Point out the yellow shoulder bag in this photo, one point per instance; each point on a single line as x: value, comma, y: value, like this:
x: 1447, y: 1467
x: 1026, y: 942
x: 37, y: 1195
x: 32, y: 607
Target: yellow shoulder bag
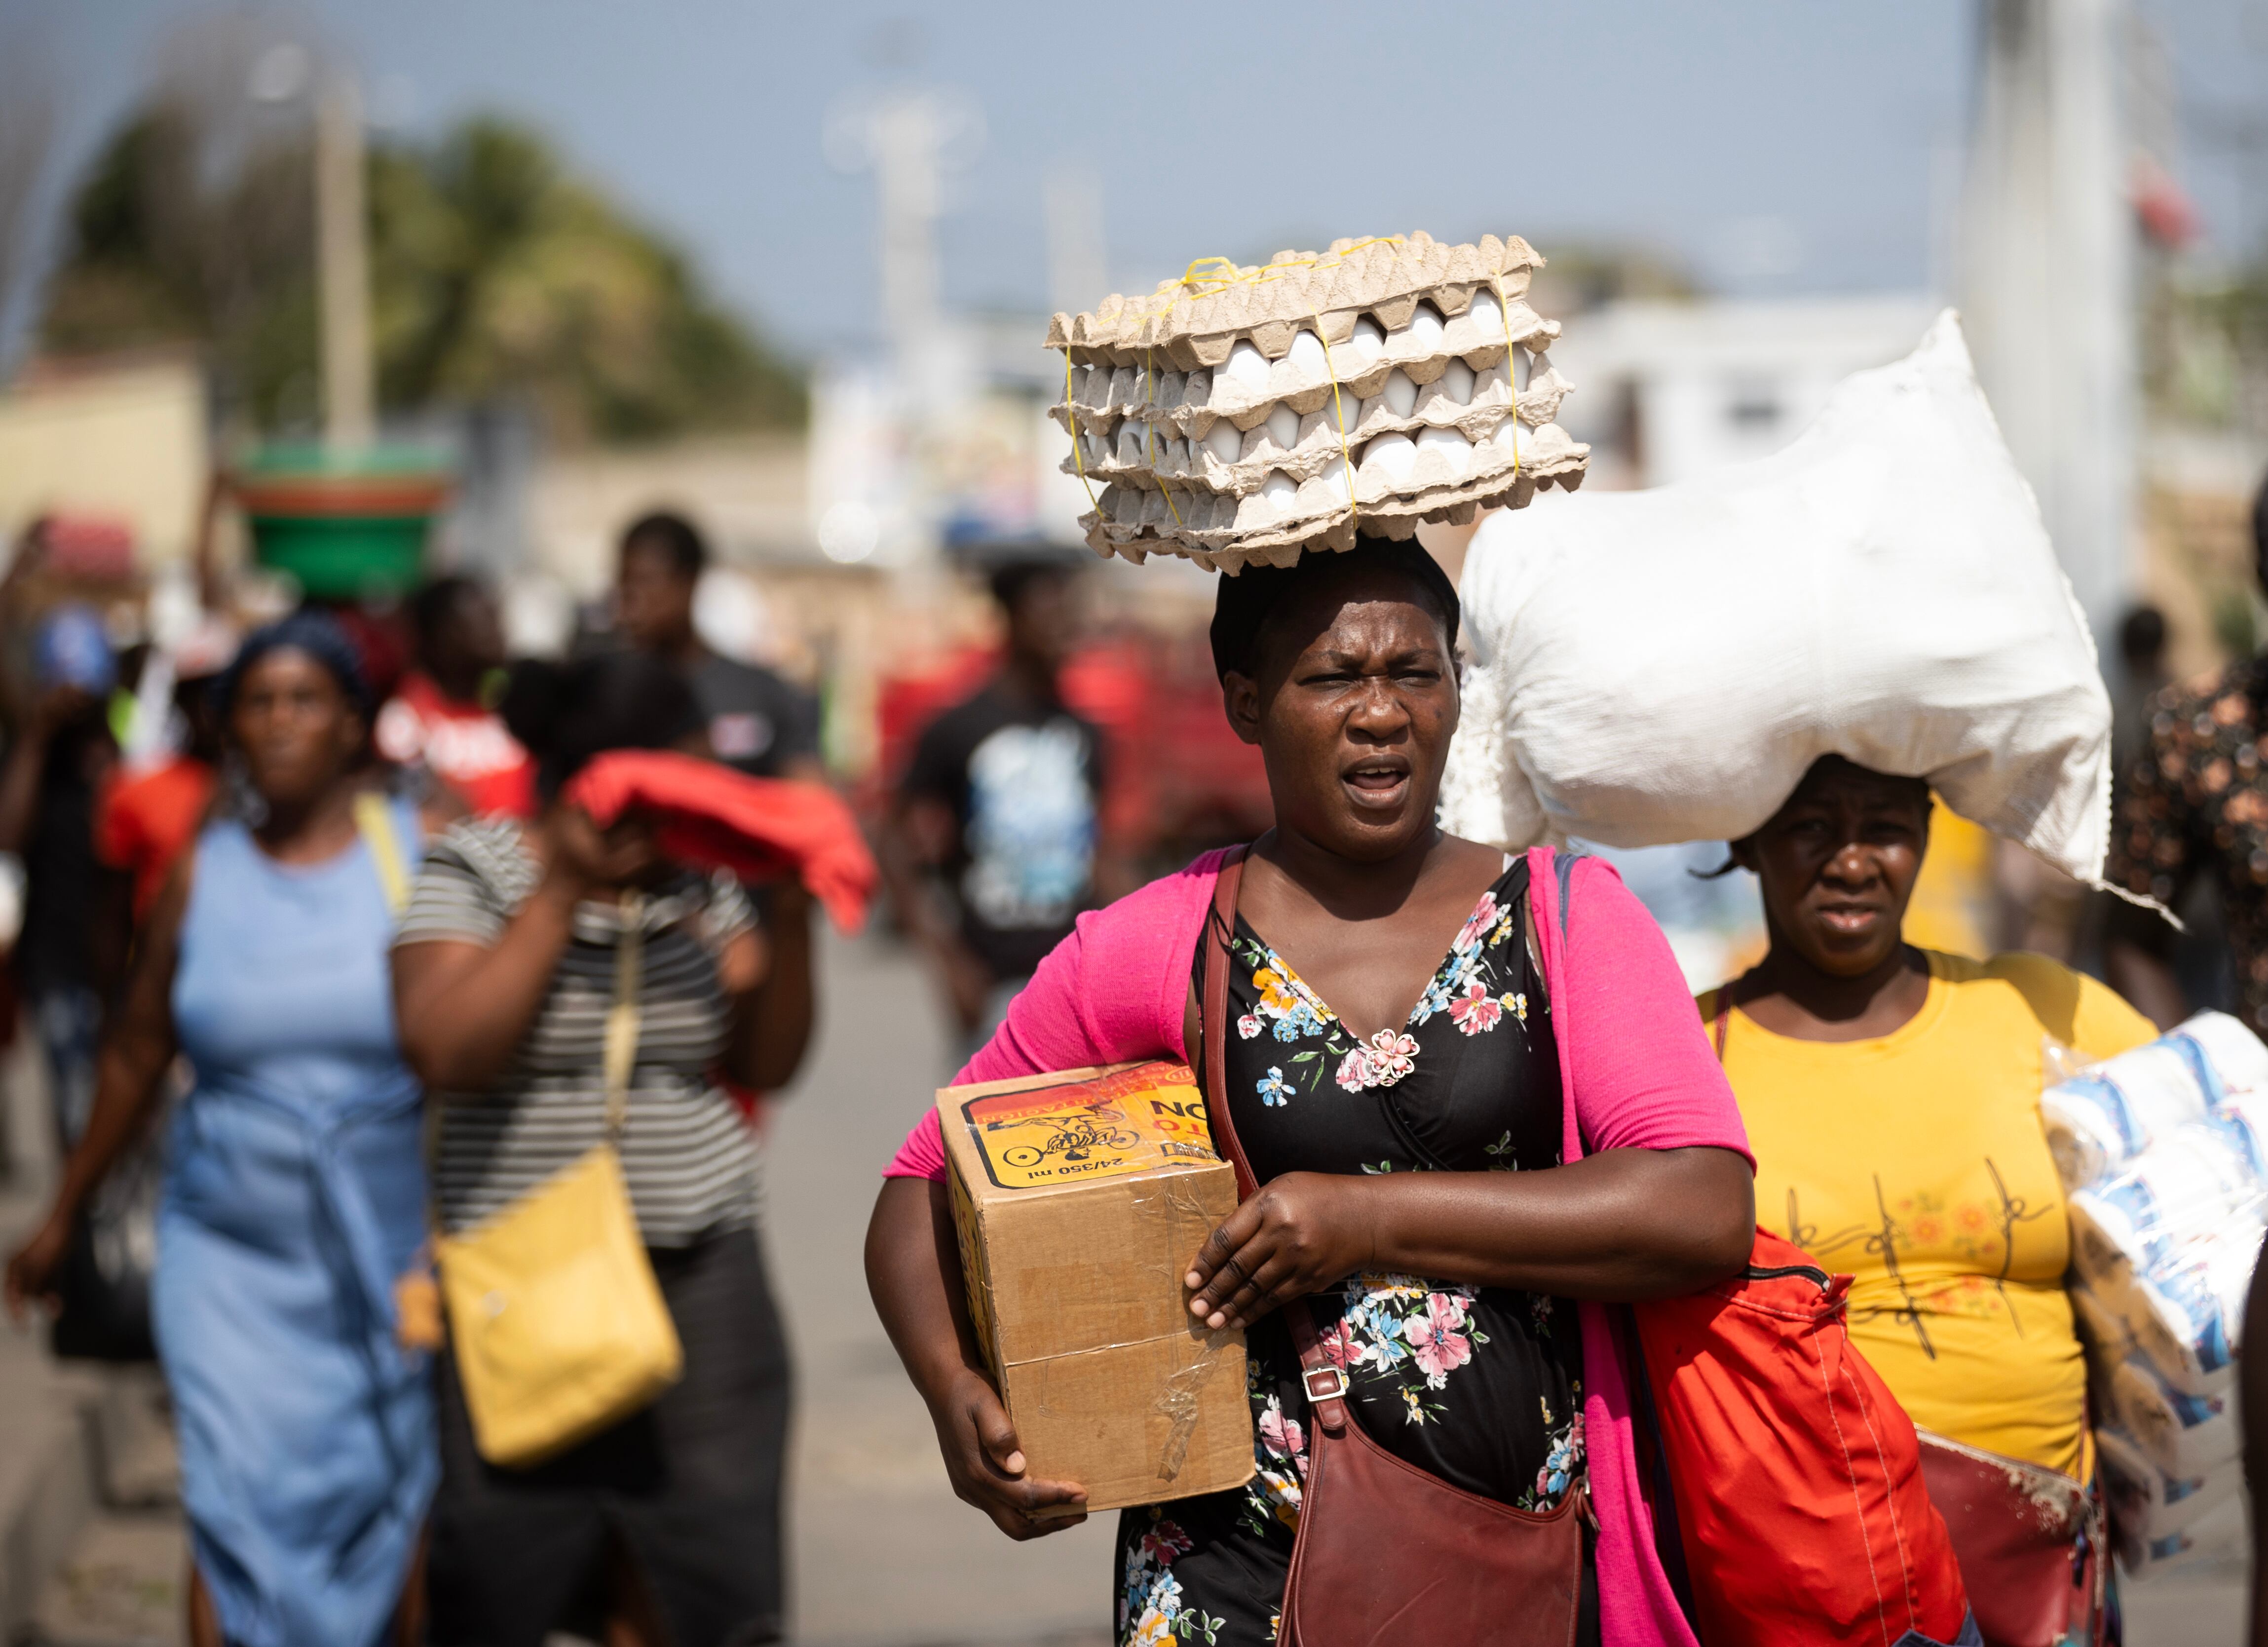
x: 559, y: 1326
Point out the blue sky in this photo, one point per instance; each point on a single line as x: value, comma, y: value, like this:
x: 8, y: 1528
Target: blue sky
x: 1764, y: 144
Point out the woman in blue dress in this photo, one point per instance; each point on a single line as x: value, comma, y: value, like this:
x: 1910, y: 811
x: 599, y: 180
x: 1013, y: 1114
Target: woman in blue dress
x: 295, y: 1193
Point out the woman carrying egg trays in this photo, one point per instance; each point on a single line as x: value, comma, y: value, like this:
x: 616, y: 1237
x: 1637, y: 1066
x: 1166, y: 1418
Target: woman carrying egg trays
x: 1240, y: 414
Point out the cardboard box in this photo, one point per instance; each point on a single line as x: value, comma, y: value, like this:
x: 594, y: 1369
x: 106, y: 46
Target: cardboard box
x: 1080, y: 1199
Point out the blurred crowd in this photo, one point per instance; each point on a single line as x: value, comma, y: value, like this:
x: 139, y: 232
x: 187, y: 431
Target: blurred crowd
x: 274, y: 879
x: 326, y: 924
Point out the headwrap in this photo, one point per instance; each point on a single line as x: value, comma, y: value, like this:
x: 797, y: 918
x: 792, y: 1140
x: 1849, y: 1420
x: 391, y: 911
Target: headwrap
x: 316, y: 633
x: 1243, y: 604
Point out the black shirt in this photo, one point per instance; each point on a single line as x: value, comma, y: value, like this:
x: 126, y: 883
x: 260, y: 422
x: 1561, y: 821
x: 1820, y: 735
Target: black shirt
x: 1023, y: 781
x: 61, y: 872
x: 757, y: 722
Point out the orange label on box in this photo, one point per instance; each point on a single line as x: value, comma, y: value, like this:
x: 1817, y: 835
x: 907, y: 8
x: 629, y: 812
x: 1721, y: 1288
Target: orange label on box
x: 1134, y: 1120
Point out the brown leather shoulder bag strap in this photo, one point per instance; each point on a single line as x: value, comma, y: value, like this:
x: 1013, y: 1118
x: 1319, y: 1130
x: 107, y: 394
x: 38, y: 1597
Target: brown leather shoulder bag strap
x: 1325, y: 1384
x: 1220, y: 924
x: 1727, y: 994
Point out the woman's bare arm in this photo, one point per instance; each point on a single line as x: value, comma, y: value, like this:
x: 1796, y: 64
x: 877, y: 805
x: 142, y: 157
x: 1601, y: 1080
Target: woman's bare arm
x: 1622, y: 1224
x: 772, y: 1017
x: 913, y: 1270
x: 462, y: 1008
x: 138, y: 1045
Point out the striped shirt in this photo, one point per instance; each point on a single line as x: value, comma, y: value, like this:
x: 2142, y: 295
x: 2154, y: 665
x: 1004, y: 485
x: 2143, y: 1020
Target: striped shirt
x: 688, y: 1156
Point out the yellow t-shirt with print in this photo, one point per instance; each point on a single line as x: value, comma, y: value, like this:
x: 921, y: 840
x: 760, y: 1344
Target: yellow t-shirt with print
x: 1917, y: 1163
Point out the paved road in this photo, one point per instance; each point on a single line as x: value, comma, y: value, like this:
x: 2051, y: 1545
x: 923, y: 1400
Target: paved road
x: 883, y: 1554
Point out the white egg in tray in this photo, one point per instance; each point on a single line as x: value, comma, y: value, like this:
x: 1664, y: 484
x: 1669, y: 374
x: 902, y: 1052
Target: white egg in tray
x: 1276, y: 524
x: 1391, y: 472
x: 1301, y: 448
x: 1473, y: 400
x: 1248, y: 383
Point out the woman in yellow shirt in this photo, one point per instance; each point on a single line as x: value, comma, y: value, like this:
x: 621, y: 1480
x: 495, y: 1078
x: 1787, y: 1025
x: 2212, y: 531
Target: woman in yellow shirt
x: 1892, y: 1099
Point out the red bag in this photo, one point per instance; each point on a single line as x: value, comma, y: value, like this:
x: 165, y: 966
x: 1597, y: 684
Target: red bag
x: 1794, y: 1473
x: 758, y: 828
x: 1790, y: 1473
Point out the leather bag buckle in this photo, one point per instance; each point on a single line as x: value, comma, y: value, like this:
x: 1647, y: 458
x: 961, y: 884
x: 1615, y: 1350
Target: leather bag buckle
x: 1324, y: 1383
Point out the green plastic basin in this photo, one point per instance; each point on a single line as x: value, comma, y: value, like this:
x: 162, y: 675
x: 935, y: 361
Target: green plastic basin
x: 343, y: 527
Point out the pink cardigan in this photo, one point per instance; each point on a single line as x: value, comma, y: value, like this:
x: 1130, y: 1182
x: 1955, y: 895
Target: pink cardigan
x: 1632, y: 1055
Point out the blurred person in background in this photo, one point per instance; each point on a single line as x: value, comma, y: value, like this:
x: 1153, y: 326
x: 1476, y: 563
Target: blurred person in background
x: 2194, y: 802
x: 665, y: 1527
x: 1892, y: 1100
x: 145, y: 818
x: 2142, y: 661
x: 295, y: 1184
x: 442, y: 717
x: 757, y: 723
x: 62, y: 755
x: 1002, y: 796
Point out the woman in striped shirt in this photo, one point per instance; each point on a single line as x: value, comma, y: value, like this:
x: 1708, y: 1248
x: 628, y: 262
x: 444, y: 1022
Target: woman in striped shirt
x: 666, y: 1525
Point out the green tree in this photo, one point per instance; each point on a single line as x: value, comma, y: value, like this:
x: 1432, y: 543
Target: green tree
x: 496, y: 276
x: 168, y: 245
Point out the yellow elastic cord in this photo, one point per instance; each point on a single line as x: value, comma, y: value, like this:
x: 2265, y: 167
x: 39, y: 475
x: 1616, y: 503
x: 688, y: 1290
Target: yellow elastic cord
x: 1207, y: 277
x: 1208, y: 283
x: 1078, y: 456
x: 1511, y: 367
x: 1339, y: 410
x: 1150, y: 432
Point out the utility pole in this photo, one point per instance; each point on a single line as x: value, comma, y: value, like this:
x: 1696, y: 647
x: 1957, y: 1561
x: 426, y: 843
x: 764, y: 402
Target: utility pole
x: 908, y: 139
x: 2047, y: 277
x: 342, y: 264
x: 872, y: 485
x: 1078, y: 260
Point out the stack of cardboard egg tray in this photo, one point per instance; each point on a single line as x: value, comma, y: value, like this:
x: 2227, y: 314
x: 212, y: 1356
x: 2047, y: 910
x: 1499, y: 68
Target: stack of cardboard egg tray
x: 1208, y: 424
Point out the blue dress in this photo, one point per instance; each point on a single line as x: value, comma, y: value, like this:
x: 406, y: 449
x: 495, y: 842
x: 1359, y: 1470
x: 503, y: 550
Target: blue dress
x: 294, y: 1196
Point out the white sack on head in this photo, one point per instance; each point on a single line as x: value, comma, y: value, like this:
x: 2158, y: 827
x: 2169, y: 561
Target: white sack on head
x: 1664, y: 666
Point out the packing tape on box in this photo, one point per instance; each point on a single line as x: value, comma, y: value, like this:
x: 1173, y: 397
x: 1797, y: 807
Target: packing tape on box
x: 1175, y: 1198
x: 1178, y: 1402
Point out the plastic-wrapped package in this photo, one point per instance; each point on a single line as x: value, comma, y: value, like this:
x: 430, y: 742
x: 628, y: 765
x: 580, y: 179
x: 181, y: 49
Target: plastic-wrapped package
x: 2185, y: 1436
x: 2099, y: 1121
x: 2102, y: 1324
x: 2197, y: 1181
x: 2164, y: 1152
x: 2187, y: 1315
x: 2232, y: 1055
x: 2104, y: 1117
x: 2149, y: 1505
x: 2218, y: 1534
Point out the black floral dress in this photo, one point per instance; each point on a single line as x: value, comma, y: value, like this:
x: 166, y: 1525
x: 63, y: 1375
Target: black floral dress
x: 1481, y: 1385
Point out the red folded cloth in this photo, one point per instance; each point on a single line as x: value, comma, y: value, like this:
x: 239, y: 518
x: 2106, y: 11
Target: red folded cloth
x: 758, y: 828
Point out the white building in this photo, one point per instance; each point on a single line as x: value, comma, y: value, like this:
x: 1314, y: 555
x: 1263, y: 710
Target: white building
x: 1665, y: 390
